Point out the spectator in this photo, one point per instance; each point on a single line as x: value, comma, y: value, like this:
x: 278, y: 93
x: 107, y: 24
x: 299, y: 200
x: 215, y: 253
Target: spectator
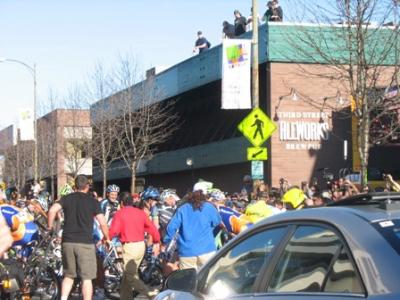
x: 249, y: 21
x: 201, y: 43
x: 247, y: 187
x: 393, y: 184
x: 274, y: 12
x: 130, y: 224
x: 228, y: 30
x: 240, y: 23
x: 318, y: 200
x: 78, y: 250
x: 268, y: 14
x: 277, y: 13
x: 194, y: 221
x: 260, y: 209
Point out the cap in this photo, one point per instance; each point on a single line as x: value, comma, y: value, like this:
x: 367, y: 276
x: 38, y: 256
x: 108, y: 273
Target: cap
x: 203, y: 186
x: 199, y: 32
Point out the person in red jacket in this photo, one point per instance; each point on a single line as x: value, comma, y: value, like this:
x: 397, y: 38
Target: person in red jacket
x: 130, y: 225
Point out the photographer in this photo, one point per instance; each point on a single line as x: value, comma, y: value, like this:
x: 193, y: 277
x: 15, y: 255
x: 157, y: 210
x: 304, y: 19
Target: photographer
x: 349, y: 188
x: 392, y: 185
x: 283, y: 186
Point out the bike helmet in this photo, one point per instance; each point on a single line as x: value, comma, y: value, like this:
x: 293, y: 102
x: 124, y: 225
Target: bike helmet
x: 150, y: 193
x: 217, y: 195
x: 66, y: 190
x: 295, y: 197
x: 113, y: 188
x: 42, y: 201
x: 168, y: 193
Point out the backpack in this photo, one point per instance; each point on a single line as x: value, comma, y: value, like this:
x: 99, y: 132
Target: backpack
x: 208, y: 45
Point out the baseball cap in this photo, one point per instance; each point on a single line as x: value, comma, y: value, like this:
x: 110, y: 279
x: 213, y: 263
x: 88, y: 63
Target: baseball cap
x: 203, y: 186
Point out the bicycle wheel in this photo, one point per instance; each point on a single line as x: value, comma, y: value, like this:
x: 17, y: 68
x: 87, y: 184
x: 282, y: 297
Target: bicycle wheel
x: 43, y: 283
x: 112, y: 280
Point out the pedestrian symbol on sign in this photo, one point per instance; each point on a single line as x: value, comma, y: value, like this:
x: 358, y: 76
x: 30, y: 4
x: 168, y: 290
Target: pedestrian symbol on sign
x: 257, y: 127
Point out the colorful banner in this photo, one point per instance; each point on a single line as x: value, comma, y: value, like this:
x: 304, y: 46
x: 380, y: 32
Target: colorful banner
x: 236, y: 62
x: 25, y: 125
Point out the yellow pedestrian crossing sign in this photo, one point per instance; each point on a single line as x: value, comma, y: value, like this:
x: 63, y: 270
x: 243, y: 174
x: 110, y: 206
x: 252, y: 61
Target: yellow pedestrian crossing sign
x: 257, y: 127
x: 257, y: 153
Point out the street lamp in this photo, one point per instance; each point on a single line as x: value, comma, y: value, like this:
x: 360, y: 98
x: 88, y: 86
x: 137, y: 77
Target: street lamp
x: 32, y: 71
x: 189, y: 163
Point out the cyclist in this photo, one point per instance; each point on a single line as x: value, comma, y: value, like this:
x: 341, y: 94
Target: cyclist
x: 6, y: 239
x: 65, y: 190
x: 233, y: 221
x: 166, y: 209
x: 149, y: 199
x: 110, y: 205
x: 21, y: 223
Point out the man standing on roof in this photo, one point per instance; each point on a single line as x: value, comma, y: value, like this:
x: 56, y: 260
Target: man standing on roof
x: 201, y: 43
x: 240, y: 23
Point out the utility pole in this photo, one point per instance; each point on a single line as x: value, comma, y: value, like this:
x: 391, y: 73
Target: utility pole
x: 35, y: 133
x: 254, y: 61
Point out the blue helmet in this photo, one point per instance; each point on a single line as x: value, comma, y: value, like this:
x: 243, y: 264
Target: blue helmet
x: 113, y: 188
x: 150, y: 193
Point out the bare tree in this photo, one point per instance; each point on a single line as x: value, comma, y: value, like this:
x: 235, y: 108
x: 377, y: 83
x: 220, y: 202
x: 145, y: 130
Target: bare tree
x: 105, y: 128
x: 19, y: 163
x: 356, y: 43
x: 143, y: 123
x: 47, y: 141
x: 77, y: 133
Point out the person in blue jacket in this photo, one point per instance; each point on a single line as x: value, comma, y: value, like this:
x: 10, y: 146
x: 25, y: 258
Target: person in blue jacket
x: 194, y: 221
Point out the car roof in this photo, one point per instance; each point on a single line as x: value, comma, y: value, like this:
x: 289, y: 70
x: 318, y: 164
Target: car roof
x: 371, y: 207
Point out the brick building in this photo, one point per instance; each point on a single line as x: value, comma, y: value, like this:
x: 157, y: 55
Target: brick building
x: 309, y: 138
x: 63, y: 136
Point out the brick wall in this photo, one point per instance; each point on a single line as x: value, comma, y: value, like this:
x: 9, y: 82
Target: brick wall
x: 300, y: 160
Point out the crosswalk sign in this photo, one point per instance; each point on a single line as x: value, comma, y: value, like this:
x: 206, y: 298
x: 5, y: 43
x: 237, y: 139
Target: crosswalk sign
x: 257, y: 153
x: 257, y: 127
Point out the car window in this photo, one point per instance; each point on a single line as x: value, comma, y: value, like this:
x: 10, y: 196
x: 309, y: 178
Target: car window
x: 236, y: 271
x: 342, y: 278
x: 314, y: 260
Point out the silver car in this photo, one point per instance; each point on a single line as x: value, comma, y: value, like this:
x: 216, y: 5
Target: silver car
x: 350, y: 250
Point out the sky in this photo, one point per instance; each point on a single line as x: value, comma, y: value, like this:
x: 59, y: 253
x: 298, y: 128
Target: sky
x: 66, y: 38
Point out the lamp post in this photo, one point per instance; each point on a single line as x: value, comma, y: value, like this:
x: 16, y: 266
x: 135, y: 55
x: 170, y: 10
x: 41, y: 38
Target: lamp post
x: 189, y: 163
x: 31, y: 70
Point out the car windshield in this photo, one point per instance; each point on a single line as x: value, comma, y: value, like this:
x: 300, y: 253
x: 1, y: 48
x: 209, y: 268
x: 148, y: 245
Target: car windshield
x: 390, y: 230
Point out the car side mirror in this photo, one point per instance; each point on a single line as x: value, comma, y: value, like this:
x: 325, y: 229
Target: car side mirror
x: 182, y: 280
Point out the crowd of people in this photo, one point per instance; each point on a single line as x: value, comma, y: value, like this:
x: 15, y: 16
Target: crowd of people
x: 241, y: 24
x: 190, y: 228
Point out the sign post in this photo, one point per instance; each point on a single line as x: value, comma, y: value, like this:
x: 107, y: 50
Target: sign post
x: 257, y: 128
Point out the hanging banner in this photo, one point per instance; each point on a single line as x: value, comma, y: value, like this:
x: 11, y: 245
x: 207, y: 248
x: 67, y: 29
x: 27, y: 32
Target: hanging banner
x: 236, y: 62
x: 25, y: 124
